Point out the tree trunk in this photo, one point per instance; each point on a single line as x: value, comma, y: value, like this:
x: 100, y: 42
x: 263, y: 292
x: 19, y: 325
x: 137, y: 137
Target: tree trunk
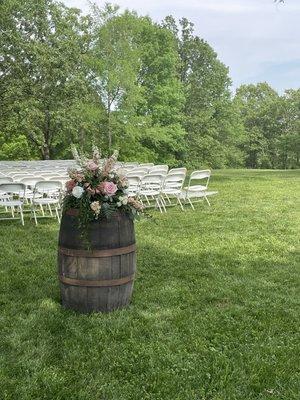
x: 46, y: 152
x: 109, y: 132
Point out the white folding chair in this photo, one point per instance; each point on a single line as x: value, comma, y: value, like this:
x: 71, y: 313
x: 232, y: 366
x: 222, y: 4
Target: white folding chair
x: 4, y: 195
x: 51, y: 194
x: 19, y: 177
x: 176, y: 170
x: 159, y: 169
x: 150, y: 189
x: 139, y: 174
x: 5, y: 179
x: 130, y: 165
x: 12, y: 194
x: 172, y: 187
x: 30, y: 184
x: 147, y: 165
x: 133, y: 185
x: 194, y: 189
x: 141, y: 169
x: 61, y: 179
x: 31, y: 181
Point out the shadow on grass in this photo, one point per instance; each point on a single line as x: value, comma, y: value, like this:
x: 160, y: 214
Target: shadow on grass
x: 165, y: 277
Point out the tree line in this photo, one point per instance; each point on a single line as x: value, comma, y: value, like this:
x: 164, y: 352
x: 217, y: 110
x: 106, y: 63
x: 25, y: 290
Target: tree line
x: 155, y: 91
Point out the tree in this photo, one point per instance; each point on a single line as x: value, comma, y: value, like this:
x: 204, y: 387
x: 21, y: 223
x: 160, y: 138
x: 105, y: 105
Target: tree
x: 258, y: 108
x: 114, y: 64
x: 42, y: 75
x: 162, y: 101
x: 134, y: 72
x: 157, y: 92
x: 209, y: 119
x: 289, y: 139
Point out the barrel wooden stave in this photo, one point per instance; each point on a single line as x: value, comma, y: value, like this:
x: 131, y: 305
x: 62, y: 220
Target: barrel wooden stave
x: 118, y: 234
x: 100, y: 239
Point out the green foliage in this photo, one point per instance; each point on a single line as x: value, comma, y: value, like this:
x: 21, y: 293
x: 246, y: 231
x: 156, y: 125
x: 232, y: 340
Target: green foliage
x: 114, y: 64
x: 42, y: 73
x: 272, y: 126
x: 18, y: 149
x: 214, y: 315
x: 157, y: 92
x: 212, y: 125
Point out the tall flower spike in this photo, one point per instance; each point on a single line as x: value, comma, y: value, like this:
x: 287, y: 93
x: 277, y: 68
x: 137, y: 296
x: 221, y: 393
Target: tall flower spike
x: 110, y: 163
x: 96, y: 155
x: 75, y: 153
x: 80, y: 159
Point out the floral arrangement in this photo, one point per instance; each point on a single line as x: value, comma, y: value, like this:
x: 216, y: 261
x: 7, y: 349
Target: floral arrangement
x: 98, y: 189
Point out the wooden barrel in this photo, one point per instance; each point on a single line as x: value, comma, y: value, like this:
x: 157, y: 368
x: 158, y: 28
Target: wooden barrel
x: 99, y: 279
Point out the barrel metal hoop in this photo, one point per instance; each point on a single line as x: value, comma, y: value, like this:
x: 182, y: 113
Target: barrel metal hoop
x: 90, y: 283
x: 97, y: 253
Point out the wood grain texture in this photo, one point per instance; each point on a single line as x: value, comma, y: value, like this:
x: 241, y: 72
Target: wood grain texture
x: 77, y: 266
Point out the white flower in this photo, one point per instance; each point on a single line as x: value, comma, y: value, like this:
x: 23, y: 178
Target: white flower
x: 119, y: 204
x: 77, y: 192
x: 96, y: 207
x: 125, y: 200
x: 121, y: 172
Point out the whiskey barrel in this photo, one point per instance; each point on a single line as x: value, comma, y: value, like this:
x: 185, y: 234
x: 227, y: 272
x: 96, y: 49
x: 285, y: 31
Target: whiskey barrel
x: 99, y: 279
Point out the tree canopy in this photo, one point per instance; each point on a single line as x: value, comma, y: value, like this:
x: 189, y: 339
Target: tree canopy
x: 155, y: 91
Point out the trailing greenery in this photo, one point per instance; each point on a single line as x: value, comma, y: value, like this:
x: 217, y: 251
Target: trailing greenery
x: 215, y: 310
x: 155, y: 91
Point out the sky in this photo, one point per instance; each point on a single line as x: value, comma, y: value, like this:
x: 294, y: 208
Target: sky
x: 257, y: 39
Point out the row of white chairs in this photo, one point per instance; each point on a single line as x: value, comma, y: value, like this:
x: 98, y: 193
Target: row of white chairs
x: 163, y: 188
x: 30, y: 180
x: 163, y: 170
x: 45, y: 196
x: 153, y: 188
x: 53, y: 167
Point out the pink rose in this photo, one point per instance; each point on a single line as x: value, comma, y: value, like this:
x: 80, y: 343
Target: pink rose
x: 70, y: 185
x: 92, y: 166
x: 108, y: 188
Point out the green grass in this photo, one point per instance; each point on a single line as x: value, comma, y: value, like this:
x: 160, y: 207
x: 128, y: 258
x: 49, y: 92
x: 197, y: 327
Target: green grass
x: 215, y: 313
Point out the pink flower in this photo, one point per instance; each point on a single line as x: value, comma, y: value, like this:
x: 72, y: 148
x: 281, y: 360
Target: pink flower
x: 89, y: 188
x: 108, y: 188
x: 135, y: 203
x: 92, y: 166
x: 70, y: 185
x: 79, y: 177
x: 123, y: 182
x: 91, y: 191
x: 99, y: 189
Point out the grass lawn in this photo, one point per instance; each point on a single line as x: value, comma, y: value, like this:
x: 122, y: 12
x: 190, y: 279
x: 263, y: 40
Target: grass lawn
x: 215, y: 313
